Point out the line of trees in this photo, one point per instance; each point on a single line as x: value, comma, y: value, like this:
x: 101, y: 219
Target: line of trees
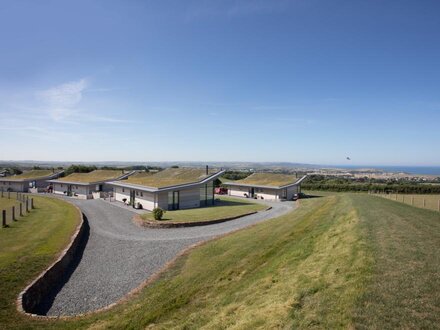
x: 375, y: 185
x: 236, y: 175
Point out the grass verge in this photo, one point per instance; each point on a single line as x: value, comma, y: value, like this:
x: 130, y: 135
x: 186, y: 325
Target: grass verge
x: 27, y: 247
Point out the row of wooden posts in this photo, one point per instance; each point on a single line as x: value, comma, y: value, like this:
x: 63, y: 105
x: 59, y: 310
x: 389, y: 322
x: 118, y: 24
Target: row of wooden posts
x: 24, y: 200
x: 395, y: 197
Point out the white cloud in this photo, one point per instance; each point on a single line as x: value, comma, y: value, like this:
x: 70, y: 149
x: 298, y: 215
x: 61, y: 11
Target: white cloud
x: 61, y: 101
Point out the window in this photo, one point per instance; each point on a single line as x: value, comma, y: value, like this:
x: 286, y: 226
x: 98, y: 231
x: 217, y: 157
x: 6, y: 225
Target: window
x: 207, y: 194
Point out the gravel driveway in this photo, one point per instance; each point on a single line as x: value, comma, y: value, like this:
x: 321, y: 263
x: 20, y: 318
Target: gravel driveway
x: 119, y: 255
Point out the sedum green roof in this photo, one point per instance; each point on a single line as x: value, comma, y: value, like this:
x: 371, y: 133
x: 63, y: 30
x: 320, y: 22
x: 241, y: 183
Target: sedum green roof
x: 94, y: 176
x: 31, y: 175
x: 168, y: 177
x: 267, y: 179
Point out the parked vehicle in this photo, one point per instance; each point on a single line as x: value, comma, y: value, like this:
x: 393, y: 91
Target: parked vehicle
x: 221, y: 191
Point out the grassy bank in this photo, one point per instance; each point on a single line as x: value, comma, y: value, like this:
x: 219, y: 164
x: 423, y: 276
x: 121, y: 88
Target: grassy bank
x: 224, y: 207
x: 342, y: 261
x: 27, y: 247
x: 403, y: 290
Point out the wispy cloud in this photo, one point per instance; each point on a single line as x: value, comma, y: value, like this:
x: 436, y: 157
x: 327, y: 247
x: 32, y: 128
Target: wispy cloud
x: 61, y: 101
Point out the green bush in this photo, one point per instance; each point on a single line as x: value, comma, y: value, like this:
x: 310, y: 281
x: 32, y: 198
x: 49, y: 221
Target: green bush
x: 158, y: 213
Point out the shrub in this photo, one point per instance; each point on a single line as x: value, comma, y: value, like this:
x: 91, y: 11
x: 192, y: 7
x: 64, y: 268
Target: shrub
x: 158, y: 213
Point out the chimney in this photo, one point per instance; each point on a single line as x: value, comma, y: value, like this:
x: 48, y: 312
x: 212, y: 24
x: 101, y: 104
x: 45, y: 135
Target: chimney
x: 207, y: 170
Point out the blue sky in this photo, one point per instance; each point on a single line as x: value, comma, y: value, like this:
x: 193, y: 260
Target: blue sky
x: 309, y: 81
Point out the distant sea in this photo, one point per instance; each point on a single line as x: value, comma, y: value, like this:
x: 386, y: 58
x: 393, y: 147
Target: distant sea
x: 422, y: 170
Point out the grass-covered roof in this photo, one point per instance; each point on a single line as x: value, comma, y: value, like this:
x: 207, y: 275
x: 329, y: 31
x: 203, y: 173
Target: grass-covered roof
x: 169, y: 177
x: 94, y: 176
x: 31, y: 175
x: 268, y: 179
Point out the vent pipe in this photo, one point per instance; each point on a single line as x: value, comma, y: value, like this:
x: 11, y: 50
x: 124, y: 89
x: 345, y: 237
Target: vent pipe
x: 207, y: 170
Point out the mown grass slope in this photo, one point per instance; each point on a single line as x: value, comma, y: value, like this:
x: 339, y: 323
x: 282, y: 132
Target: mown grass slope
x: 27, y: 247
x: 343, y: 261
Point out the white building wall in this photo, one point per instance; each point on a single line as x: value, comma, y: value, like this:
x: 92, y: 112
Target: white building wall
x: 238, y: 191
x: 81, y: 192
x: 146, y: 199
x: 292, y: 191
x: 121, y: 193
x: 14, y: 186
x: 189, y: 198
x: 162, y: 200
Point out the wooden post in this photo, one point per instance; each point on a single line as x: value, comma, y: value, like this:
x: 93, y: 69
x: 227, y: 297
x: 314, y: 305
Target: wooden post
x: 13, y: 214
x: 21, y: 209
x: 424, y: 203
x: 4, y: 218
x: 32, y: 203
x: 27, y: 205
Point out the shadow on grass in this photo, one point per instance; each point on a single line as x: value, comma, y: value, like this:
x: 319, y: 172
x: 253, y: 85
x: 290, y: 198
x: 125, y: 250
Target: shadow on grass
x: 46, y: 302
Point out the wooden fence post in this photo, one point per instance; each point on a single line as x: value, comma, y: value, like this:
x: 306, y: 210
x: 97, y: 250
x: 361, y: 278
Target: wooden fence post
x: 13, y: 214
x: 27, y: 205
x: 4, y: 218
x: 21, y: 209
x: 32, y: 203
x: 424, y: 203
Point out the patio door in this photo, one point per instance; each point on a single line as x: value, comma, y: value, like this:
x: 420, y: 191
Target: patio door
x: 173, y: 200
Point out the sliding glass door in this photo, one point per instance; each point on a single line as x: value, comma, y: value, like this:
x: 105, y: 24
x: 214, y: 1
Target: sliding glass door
x: 173, y: 200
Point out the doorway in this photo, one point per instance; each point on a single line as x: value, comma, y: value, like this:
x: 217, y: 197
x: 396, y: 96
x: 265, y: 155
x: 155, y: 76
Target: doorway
x: 132, y: 197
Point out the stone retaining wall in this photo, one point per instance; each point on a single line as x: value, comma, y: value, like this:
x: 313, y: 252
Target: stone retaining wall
x: 34, y: 298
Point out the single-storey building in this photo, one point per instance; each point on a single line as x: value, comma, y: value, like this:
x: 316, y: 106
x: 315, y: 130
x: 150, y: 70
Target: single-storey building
x: 88, y: 185
x: 28, y: 181
x: 170, y: 189
x: 269, y: 186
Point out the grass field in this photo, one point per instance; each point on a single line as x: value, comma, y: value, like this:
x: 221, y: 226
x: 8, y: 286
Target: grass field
x: 224, y: 207
x: 27, y: 247
x: 342, y: 261
x: 7, y: 204
x: 430, y: 202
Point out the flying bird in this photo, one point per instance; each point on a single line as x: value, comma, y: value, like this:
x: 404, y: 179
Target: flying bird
x: 348, y: 158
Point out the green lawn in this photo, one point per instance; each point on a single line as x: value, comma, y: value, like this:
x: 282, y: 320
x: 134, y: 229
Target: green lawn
x: 7, y: 204
x: 224, y: 207
x: 27, y: 247
x: 342, y: 261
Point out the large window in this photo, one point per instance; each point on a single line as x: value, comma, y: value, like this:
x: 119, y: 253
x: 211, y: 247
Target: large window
x: 173, y: 200
x: 207, y: 194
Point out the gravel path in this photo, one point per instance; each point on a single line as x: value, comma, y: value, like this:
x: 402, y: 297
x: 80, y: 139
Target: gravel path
x: 119, y: 255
